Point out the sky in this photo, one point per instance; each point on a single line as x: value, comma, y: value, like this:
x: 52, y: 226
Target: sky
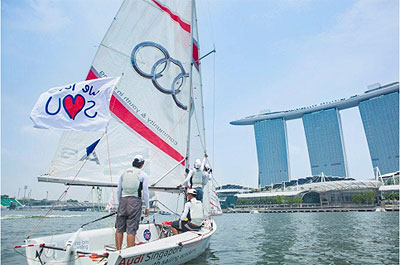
x: 274, y: 55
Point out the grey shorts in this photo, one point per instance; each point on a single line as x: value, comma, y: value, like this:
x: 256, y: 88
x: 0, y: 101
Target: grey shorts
x: 128, y: 216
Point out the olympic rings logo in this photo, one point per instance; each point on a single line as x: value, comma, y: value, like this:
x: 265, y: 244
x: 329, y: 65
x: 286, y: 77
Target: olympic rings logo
x: 158, y: 68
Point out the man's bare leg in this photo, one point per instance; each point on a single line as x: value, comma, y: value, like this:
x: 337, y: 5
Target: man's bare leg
x: 130, y: 238
x: 174, y: 231
x: 119, y: 237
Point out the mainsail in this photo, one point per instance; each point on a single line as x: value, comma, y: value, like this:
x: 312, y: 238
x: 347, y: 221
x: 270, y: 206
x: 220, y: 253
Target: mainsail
x: 153, y: 53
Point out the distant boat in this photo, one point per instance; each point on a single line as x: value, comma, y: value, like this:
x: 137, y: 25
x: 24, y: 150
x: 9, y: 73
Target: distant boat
x: 254, y: 211
x: 380, y: 209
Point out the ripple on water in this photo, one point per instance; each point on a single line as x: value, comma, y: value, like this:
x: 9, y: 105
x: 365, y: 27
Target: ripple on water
x: 277, y: 238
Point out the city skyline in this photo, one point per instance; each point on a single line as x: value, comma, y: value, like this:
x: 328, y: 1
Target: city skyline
x: 378, y: 107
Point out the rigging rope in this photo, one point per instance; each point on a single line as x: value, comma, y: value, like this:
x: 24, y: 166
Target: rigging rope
x: 62, y: 196
x: 167, y: 207
x: 109, y: 164
x: 198, y: 129
x: 213, y: 122
x: 59, y: 199
x: 35, y: 260
x: 177, y: 202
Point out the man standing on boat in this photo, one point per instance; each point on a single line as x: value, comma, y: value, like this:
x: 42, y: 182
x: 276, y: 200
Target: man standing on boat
x: 197, y: 179
x: 131, y: 184
x: 192, y: 215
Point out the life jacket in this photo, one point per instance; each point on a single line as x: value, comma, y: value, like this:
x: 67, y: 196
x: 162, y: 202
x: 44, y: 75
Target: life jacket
x: 131, y: 185
x: 197, y: 179
x: 196, y: 212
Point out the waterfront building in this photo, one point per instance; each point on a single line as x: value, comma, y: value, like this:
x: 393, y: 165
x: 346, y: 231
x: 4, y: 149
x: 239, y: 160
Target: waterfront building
x: 272, y: 151
x: 379, y: 109
x: 324, y: 137
x: 390, y: 184
x: 323, y: 193
x: 227, y: 194
x: 380, y: 117
x: 321, y: 190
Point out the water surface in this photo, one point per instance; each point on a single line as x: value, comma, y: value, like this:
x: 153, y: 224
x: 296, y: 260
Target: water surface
x: 270, y: 238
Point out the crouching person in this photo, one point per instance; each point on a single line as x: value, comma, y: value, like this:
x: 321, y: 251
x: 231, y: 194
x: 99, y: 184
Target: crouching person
x: 192, y: 216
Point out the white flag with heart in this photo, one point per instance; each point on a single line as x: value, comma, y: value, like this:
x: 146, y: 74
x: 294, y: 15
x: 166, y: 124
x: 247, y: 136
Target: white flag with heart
x: 82, y: 106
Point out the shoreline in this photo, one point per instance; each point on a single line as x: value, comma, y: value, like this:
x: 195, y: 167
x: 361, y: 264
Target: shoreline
x: 315, y: 209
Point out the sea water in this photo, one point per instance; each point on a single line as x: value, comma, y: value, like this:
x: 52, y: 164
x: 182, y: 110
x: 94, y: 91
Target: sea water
x: 270, y: 238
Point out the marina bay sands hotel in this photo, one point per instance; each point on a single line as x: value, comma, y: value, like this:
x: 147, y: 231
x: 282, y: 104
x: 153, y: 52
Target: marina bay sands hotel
x: 379, y: 110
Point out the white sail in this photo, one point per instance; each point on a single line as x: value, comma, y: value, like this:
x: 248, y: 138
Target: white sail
x: 150, y: 106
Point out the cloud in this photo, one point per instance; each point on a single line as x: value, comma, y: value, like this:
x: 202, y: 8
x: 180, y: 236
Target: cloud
x: 356, y: 51
x: 38, y: 16
x: 368, y: 22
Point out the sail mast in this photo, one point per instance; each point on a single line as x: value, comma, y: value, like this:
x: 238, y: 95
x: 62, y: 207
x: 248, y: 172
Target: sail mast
x: 190, y: 93
x: 201, y: 89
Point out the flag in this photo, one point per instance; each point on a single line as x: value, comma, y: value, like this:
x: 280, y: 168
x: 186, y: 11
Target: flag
x: 82, y: 106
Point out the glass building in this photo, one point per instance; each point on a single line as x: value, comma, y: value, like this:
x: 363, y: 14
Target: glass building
x: 325, y: 142
x: 379, y: 109
x: 380, y: 117
x: 272, y: 151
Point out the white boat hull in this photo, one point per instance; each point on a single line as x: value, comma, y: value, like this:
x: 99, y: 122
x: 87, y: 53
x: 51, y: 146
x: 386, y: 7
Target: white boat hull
x: 170, y: 250
x: 174, y: 255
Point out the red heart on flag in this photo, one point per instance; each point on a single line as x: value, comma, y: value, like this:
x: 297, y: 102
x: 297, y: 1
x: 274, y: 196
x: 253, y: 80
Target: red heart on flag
x: 73, y: 105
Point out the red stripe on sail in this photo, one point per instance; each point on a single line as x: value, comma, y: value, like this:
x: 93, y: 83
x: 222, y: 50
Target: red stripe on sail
x: 213, y: 204
x: 134, y: 123
x: 92, y: 74
x: 196, y: 54
x: 185, y: 26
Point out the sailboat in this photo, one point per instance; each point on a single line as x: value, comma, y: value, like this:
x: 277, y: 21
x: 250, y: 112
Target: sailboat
x: 157, y: 112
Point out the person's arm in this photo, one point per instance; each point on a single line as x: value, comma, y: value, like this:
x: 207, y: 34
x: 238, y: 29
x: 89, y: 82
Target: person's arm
x: 185, y: 211
x: 203, y: 163
x: 119, y: 190
x: 187, y: 180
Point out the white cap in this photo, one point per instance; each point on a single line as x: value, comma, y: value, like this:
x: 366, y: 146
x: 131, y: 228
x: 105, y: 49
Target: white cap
x: 197, y: 163
x: 207, y: 166
x: 139, y: 158
x: 192, y: 191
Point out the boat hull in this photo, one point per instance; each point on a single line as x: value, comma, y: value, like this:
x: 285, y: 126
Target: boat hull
x: 174, y: 255
x: 151, y: 249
